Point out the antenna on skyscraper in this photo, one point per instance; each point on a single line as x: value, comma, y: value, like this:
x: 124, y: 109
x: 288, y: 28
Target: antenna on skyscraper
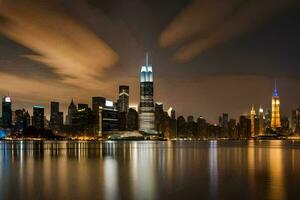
x: 147, y: 59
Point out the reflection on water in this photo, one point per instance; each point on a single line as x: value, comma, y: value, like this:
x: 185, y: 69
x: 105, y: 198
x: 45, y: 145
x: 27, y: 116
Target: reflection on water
x: 150, y: 170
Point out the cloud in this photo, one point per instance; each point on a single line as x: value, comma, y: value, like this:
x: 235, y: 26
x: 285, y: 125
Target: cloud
x: 218, y: 23
x: 59, y: 41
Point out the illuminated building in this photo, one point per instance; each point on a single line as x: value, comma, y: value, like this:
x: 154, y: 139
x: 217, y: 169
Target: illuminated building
x: 38, y: 118
x: 108, y: 117
x: 261, y: 121
x: 146, y: 106
x: 123, y: 101
x: 6, y: 112
x: 275, y: 121
x: 252, y: 118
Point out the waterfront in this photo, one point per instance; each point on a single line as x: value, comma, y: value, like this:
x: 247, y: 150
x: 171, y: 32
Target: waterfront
x: 149, y: 170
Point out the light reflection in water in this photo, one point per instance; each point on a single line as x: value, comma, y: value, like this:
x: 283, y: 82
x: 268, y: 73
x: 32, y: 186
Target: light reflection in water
x: 149, y: 170
x: 213, y: 167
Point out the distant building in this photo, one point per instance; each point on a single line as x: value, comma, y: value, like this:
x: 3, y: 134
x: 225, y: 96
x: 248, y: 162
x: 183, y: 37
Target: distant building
x: 72, y: 109
x: 6, y: 112
x: 132, y: 120
x: 38, y: 118
x: 56, y: 117
x: 108, y: 117
x: 146, y: 106
x: 159, y: 117
x: 295, y: 120
x: 275, y: 122
x: 97, y: 103
x: 123, y: 101
x: 22, y: 121
x: 252, y: 118
x: 181, y: 127
x: 261, y: 121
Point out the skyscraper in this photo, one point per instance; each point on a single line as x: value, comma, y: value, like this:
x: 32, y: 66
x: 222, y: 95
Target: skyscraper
x: 146, y: 107
x: 252, y: 118
x: 38, y: 118
x: 56, y: 117
x: 6, y: 112
x: 72, y: 109
x: 261, y: 121
x: 123, y: 101
x: 275, y: 121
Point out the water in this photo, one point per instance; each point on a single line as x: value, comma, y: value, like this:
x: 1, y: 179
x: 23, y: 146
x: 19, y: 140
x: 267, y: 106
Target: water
x: 150, y: 170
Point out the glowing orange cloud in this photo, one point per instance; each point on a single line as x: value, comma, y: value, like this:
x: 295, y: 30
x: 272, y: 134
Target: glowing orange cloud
x: 75, y: 52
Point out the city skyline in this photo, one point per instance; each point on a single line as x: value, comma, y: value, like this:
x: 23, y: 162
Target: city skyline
x: 222, y: 74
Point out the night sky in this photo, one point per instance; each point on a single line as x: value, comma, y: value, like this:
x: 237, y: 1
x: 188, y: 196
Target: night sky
x: 208, y: 56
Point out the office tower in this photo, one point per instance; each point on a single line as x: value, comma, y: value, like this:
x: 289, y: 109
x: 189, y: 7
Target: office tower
x: 232, y: 129
x: 108, y: 118
x: 275, y: 121
x: 252, y: 118
x: 261, y: 121
x: 38, y: 118
x: 21, y: 120
x: 6, y: 112
x: 72, y: 109
x: 201, y: 127
x: 181, y: 127
x: 244, y: 127
x: 225, y: 120
x: 97, y: 103
x: 123, y: 101
x: 285, y: 124
x: 146, y: 106
x: 132, y: 120
x: 159, y: 117
x: 295, y: 120
x: 56, y: 118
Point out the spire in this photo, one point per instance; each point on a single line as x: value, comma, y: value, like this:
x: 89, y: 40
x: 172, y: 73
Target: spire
x: 275, y: 89
x: 147, y: 59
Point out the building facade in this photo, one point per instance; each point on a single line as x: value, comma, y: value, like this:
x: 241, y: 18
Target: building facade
x: 123, y: 101
x: 146, y: 106
x: 275, y: 121
x: 38, y: 118
x: 6, y: 112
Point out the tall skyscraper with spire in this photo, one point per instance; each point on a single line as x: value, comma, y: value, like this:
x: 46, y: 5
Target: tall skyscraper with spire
x: 146, y: 106
x: 275, y: 121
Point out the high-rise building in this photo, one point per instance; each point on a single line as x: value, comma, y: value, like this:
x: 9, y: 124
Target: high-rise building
x: 295, y: 120
x: 38, y: 118
x: 261, y: 121
x: 252, y: 118
x: 123, y: 101
x: 97, y: 103
x: 132, y: 120
x: 56, y: 117
x: 22, y: 120
x: 146, y: 106
x: 72, y: 109
x: 275, y: 121
x: 6, y: 112
x: 159, y: 117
